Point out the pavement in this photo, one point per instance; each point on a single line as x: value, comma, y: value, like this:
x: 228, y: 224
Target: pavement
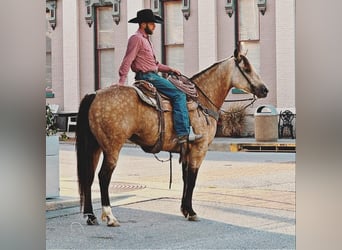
x: 244, y: 199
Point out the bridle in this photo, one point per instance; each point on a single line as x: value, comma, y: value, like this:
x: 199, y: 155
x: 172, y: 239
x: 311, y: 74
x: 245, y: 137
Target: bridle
x: 237, y: 62
x: 252, y: 99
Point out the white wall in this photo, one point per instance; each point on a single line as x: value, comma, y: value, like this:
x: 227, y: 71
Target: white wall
x: 285, y: 53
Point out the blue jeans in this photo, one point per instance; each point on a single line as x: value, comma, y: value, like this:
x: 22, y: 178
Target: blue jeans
x: 177, y: 97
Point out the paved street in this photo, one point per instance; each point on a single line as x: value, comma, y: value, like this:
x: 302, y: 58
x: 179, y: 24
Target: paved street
x: 245, y: 200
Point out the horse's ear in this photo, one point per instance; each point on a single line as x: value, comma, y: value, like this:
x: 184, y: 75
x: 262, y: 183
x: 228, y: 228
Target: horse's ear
x: 247, y: 65
x: 237, y: 54
x: 242, y: 48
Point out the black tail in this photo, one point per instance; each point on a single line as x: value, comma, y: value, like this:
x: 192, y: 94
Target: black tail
x: 86, y: 146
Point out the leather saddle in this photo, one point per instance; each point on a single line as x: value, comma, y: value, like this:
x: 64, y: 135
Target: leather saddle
x: 149, y: 94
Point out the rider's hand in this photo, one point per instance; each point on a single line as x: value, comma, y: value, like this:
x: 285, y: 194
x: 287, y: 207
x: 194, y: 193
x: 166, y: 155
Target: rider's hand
x: 176, y: 71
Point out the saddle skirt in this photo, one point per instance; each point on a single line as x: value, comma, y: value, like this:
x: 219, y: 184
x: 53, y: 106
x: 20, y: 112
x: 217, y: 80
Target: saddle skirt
x: 148, y: 94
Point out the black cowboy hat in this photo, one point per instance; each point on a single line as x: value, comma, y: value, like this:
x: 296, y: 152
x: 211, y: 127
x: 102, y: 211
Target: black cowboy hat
x: 147, y: 16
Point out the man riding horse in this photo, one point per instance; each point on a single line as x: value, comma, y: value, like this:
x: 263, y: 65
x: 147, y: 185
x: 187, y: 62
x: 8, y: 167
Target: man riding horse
x: 109, y: 117
x: 141, y: 59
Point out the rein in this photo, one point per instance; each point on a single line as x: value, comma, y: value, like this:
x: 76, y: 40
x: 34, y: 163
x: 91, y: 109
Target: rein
x: 170, y: 160
x: 252, y: 99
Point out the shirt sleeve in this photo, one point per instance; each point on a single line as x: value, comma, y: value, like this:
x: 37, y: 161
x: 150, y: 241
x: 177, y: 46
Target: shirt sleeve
x: 131, y: 52
x: 163, y: 67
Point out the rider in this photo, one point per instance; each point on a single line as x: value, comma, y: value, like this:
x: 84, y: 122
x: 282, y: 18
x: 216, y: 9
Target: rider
x: 141, y: 59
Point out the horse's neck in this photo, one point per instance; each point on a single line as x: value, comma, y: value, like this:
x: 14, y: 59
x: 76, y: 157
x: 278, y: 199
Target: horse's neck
x: 215, y: 82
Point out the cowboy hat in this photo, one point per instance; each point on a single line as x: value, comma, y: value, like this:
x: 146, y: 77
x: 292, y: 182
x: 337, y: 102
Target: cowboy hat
x: 147, y: 16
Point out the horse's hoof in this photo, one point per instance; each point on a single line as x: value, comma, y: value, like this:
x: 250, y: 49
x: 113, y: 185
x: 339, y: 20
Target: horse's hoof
x: 113, y: 224
x: 193, y: 218
x: 109, y: 217
x: 92, y: 221
x: 184, y: 212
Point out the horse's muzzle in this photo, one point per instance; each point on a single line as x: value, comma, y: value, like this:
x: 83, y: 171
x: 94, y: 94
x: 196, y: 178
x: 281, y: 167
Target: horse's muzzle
x: 262, y: 92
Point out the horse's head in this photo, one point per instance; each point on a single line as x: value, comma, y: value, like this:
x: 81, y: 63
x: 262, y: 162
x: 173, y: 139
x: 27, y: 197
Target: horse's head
x: 246, y: 78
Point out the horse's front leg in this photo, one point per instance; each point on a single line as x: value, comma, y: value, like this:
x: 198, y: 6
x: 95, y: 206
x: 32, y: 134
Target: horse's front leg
x: 105, y: 175
x: 189, y: 180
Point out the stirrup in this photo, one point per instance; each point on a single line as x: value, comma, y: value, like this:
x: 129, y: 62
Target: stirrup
x: 185, y: 138
x: 193, y: 136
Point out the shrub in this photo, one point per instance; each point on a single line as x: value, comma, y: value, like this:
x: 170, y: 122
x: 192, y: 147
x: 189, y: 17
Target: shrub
x: 50, y: 128
x: 233, y: 120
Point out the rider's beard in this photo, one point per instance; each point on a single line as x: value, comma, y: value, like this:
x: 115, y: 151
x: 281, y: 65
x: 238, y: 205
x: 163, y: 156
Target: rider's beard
x: 148, y: 30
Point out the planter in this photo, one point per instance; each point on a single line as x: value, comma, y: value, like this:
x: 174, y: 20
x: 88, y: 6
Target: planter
x: 52, y: 166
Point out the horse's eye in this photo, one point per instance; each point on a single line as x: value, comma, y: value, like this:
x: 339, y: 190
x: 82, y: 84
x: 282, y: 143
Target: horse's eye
x: 247, y: 69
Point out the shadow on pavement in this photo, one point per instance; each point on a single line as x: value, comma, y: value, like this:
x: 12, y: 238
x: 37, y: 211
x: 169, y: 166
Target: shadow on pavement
x: 152, y: 229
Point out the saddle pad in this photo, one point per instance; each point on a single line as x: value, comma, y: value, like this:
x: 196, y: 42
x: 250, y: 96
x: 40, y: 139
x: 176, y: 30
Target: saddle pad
x: 147, y: 99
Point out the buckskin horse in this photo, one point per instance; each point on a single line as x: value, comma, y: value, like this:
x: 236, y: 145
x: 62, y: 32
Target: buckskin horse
x: 113, y: 115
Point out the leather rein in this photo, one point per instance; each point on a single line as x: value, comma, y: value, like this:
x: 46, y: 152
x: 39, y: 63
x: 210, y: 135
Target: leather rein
x: 252, y: 99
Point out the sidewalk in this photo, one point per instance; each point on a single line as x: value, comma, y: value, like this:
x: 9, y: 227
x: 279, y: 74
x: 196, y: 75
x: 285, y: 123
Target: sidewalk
x: 245, y: 200
x: 69, y: 196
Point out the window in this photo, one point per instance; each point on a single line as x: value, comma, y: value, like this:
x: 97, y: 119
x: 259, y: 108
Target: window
x: 104, y: 47
x: 248, y: 20
x: 173, y: 27
x: 249, y: 33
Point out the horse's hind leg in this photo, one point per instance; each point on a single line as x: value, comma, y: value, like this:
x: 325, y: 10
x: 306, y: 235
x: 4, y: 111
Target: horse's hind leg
x: 88, y: 207
x: 189, y: 179
x: 105, y: 174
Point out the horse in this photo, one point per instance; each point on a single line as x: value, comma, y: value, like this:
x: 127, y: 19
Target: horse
x: 111, y: 116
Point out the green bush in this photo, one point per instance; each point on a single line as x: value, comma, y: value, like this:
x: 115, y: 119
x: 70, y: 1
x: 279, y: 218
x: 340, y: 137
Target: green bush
x: 50, y: 128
